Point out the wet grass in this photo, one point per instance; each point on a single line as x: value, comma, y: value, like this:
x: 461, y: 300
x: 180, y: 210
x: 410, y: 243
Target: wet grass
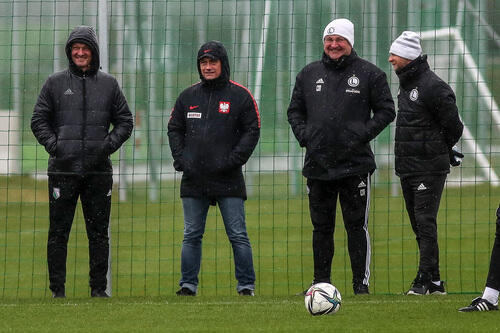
x: 372, y: 313
x: 147, y: 237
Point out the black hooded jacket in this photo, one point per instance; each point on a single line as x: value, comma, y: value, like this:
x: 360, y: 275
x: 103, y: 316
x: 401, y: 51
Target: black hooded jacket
x: 427, y: 124
x: 213, y: 129
x: 74, y: 112
x: 331, y: 111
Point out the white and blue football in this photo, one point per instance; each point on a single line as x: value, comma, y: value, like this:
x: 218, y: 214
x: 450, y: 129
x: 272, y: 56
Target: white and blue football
x: 322, y: 298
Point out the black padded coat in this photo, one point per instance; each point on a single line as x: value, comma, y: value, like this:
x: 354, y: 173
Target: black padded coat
x: 74, y: 112
x: 427, y: 124
x: 336, y: 109
x: 213, y: 129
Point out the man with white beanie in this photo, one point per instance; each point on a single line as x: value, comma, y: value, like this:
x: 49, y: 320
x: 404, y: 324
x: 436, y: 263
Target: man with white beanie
x: 427, y: 128
x: 339, y: 104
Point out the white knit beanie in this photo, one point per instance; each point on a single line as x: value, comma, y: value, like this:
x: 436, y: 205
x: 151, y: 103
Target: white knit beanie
x: 407, y: 45
x: 342, y: 27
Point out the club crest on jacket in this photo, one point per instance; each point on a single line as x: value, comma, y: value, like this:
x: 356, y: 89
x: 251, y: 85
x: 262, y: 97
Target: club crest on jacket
x: 224, y: 107
x: 414, y: 94
x: 353, y: 81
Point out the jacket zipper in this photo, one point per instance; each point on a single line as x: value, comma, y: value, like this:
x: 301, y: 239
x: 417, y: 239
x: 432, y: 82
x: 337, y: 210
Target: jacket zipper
x: 205, y: 129
x: 84, y: 127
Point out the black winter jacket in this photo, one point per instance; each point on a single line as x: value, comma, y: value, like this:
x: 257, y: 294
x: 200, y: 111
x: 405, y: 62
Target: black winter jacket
x: 74, y: 111
x: 428, y: 123
x: 331, y: 115
x: 213, y: 129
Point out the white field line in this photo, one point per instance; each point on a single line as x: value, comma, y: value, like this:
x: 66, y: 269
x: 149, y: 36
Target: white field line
x: 407, y: 299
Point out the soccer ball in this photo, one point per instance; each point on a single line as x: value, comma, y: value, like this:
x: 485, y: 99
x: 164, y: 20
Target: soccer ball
x: 322, y: 298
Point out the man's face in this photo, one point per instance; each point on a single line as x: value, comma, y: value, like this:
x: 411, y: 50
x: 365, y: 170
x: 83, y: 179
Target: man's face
x: 81, y: 54
x: 336, y: 46
x: 210, y: 68
x: 398, y: 62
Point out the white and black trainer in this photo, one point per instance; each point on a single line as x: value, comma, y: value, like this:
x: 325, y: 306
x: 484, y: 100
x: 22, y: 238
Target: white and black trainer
x: 420, y: 286
x: 479, y: 304
x: 437, y: 290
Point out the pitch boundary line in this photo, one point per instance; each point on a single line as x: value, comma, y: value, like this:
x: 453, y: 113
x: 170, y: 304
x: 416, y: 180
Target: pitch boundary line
x: 415, y: 299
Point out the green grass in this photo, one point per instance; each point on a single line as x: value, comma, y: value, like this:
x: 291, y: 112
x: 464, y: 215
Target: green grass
x: 374, y: 313
x: 147, y: 238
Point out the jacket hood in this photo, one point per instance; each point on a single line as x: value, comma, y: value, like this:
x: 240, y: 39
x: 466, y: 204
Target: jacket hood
x: 215, y: 50
x: 86, y: 35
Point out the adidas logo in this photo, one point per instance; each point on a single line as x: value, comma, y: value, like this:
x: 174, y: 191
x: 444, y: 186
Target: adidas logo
x: 68, y: 92
x: 421, y: 187
x: 362, y: 184
x: 320, y: 81
x: 482, y: 307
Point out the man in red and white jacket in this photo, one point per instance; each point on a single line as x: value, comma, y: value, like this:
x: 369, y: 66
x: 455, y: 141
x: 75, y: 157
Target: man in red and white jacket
x: 213, y: 130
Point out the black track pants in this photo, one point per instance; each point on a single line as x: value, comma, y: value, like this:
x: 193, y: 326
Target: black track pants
x: 354, y: 195
x: 422, y: 196
x: 95, y: 195
x: 493, y: 280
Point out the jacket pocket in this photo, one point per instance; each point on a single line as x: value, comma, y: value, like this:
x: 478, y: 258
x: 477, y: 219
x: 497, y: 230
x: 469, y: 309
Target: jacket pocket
x: 318, y: 147
x: 356, y: 133
x: 315, y: 138
x: 62, y: 155
x: 51, y: 148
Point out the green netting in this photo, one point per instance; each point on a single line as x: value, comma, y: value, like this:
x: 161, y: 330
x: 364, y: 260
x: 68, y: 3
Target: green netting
x: 151, y: 48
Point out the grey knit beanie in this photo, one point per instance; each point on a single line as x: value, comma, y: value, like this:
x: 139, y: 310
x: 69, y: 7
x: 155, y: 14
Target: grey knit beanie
x: 407, y: 45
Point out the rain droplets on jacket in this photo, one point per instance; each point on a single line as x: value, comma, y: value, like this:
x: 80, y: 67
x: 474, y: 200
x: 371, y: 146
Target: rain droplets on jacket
x: 74, y: 112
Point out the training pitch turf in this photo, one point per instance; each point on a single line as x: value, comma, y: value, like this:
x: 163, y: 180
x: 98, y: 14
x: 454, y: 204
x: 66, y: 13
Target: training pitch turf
x: 394, y: 313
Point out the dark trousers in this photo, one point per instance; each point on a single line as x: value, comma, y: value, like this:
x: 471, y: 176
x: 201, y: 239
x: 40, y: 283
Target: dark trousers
x: 95, y: 195
x: 354, y: 195
x: 493, y: 280
x: 422, y: 196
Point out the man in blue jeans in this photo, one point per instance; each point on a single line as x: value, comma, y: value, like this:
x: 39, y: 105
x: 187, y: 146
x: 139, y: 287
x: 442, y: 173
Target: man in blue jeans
x: 213, y: 129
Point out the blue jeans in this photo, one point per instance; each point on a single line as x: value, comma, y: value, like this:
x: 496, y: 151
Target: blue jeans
x: 195, y: 217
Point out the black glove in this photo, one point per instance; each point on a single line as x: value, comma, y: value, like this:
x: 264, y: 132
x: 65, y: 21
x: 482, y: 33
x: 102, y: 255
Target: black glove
x: 455, y: 156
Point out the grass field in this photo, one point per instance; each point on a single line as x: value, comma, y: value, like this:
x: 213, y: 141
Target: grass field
x: 147, y: 236
x: 371, y: 313
x: 146, y: 242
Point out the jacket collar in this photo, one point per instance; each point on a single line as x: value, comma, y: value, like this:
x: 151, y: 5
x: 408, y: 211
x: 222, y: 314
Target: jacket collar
x: 340, y: 63
x: 217, y: 83
x: 413, y: 70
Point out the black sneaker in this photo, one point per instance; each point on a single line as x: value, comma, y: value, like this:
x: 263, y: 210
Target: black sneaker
x: 420, y: 286
x: 185, y: 292
x: 360, y: 289
x: 58, y: 293
x: 99, y: 293
x: 246, y: 292
x: 437, y: 290
x: 479, y: 304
